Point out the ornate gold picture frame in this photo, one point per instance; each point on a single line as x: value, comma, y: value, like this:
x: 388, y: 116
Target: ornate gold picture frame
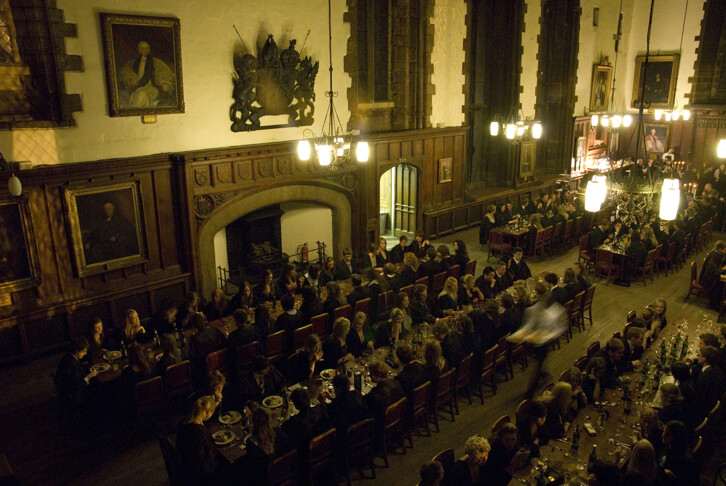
x: 143, y: 64
x: 527, y: 158
x: 19, y: 265
x: 106, y: 226
x: 660, y: 81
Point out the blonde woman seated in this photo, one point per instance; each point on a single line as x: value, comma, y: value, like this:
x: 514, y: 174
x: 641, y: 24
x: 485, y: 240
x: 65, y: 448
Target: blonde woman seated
x: 447, y: 299
x: 335, y: 349
x: 389, y: 332
x: 558, y: 401
x: 469, y: 296
x: 360, y: 338
x: 574, y: 378
x: 133, y: 331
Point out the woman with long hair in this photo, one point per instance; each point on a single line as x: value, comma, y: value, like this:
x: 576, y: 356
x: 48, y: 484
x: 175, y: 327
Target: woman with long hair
x: 389, y: 332
x: 133, y: 331
x: 434, y: 364
x: 264, y: 444
x: 409, y: 272
x: 419, y: 245
x: 189, y: 307
x: 266, y: 290
x: 591, y: 379
x: 308, y: 363
x: 447, y: 299
x: 558, y: 401
x: 642, y: 468
x: 660, y: 308
x: 327, y: 272
x: 311, y: 304
x: 581, y: 275
x: 677, y: 458
x: 401, y: 301
x: 445, y: 256
x: 522, y: 300
x: 648, y: 238
x: 171, y: 353
x: 195, y: 445
x: 488, y: 222
x: 461, y: 255
x: 381, y: 253
x: 572, y: 286
x: 651, y: 428
x: 97, y: 341
x: 469, y: 296
x: 335, y: 348
x: 360, y: 337
x: 216, y: 308
x: 244, y: 299
x: 264, y: 322
x: 532, y: 430
x: 333, y: 299
x: 289, y: 282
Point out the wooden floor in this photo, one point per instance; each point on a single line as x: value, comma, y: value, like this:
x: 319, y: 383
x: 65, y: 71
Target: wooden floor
x: 41, y: 453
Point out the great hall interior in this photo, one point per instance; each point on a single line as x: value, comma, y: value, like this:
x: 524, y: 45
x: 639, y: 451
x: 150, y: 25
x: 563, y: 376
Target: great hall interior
x: 202, y: 164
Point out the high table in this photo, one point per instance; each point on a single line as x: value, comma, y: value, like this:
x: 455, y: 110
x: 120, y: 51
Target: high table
x: 513, y: 232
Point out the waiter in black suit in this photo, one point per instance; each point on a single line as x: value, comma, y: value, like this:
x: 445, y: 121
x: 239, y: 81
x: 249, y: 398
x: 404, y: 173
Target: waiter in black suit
x: 344, y: 267
x: 710, y: 382
x: 70, y: 377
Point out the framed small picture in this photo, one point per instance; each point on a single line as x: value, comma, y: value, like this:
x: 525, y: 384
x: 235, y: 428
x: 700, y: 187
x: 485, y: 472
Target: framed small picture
x: 106, y: 226
x: 143, y: 64
x: 602, y: 79
x: 527, y: 158
x: 445, y: 169
x: 657, y: 87
x: 614, y: 145
x: 19, y: 266
x: 656, y: 137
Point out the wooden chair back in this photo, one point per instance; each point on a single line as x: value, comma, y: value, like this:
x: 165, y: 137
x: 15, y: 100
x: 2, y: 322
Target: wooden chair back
x: 385, y: 301
x: 217, y: 360
x: 178, y: 380
x: 171, y: 460
x: 246, y: 353
x: 447, y: 460
x: 498, y: 424
x: 522, y: 409
x: 593, y: 348
x: 470, y: 268
x: 437, y: 284
x: 408, y: 289
x: 322, y: 450
x: 342, y: 311
x: 282, y: 471
x: 301, y: 334
x: 320, y: 325
x: 149, y: 395
x: 393, y: 416
x: 454, y: 271
x: 275, y: 346
x: 581, y: 362
x: 364, y: 306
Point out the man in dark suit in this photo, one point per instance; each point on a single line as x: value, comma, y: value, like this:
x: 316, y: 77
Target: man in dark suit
x: 70, y: 378
x: 359, y: 292
x: 308, y: 423
x: 710, y: 381
x: 559, y: 294
x: 502, y: 278
x: 261, y: 381
x: 633, y: 349
x: 452, y: 344
x: 386, y: 392
x: 206, y: 340
x: 431, y: 266
x: 413, y: 373
x: 344, y: 267
x: 347, y: 408
x: 523, y: 210
x: 245, y: 333
x: 288, y: 321
x: 598, y: 235
x: 486, y: 283
x: 612, y: 353
x: 419, y: 308
x: 397, y: 251
x: 518, y: 268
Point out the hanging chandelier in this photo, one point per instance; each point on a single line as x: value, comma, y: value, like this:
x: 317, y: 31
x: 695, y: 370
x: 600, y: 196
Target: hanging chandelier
x: 333, y: 145
x: 634, y: 197
x: 516, y: 128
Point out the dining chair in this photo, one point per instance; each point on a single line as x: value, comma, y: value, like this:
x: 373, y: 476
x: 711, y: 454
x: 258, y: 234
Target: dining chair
x: 504, y: 419
x: 517, y: 352
x: 408, y: 290
x: 695, y: 286
x: 604, y: 263
x: 437, y: 284
x: 282, y: 471
x: 275, y: 346
x: 393, y: 427
x: 576, y: 313
x: 501, y: 361
x: 447, y: 459
x: 488, y: 377
x: 171, y: 460
x: 342, y: 311
x: 444, y: 396
x: 470, y: 268
x: 581, y: 362
x: 423, y: 281
x: 385, y: 301
x: 320, y: 325
x: 246, y: 353
x: 668, y: 260
x: 496, y: 244
x: 521, y: 410
x: 217, y: 360
x: 593, y: 348
x: 463, y: 380
x: 454, y: 271
x: 587, y: 303
x: 300, y: 335
x: 178, y: 380
x: 321, y: 457
x: 364, y: 306
x: 420, y: 409
x: 359, y: 443
x: 149, y: 396
x: 585, y: 253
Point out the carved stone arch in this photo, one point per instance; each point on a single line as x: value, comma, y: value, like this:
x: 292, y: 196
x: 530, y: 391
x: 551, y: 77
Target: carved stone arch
x: 238, y: 207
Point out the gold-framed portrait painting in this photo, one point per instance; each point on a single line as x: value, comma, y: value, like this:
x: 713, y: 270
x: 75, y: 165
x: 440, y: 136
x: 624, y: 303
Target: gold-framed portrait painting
x: 656, y: 137
x: 19, y: 265
x: 602, y: 81
x: 527, y: 158
x: 143, y: 64
x: 657, y: 87
x: 106, y: 226
x: 445, y: 170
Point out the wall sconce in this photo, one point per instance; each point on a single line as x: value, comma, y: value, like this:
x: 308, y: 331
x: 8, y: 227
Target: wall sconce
x: 721, y: 152
x: 14, y: 185
x: 595, y: 16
